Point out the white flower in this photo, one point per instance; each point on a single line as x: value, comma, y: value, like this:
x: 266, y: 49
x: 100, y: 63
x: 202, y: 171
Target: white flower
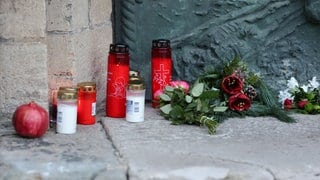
x: 314, y: 84
x: 305, y: 88
x: 283, y: 95
x: 292, y: 83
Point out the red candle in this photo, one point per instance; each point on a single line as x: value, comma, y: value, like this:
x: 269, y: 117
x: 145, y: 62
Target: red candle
x: 161, y: 67
x: 117, y: 80
x: 86, y: 103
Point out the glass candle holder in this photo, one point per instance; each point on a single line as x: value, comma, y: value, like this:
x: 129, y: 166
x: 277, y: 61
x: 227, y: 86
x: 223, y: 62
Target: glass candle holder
x: 161, y: 67
x: 117, y: 80
x: 135, y: 97
x: 67, y: 112
x: 87, y: 97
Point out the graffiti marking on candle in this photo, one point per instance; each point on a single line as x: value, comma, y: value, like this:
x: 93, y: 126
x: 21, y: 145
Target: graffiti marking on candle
x: 160, y: 76
x: 119, y: 87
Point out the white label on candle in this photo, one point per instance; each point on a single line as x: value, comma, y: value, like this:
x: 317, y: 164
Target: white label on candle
x: 93, y: 109
x: 66, y: 119
x: 135, y: 108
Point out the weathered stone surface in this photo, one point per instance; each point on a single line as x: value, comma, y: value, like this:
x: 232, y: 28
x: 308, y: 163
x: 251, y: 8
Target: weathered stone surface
x: 59, y: 15
x: 23, y: 72
x: 79, y: 57
x: 101, y: 38
x: 22, y: 19
x: 90, y: 50
x: 80, y: 16
x: 84, y: 155
x: 247, y: 148
x: 100, y: 11
x: 312, y: 8
x: 60, y: 54
x: 67, y: 15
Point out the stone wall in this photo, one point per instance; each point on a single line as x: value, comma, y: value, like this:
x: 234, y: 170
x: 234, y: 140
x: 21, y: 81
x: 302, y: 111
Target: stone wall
x: 23, y: 54
x: 48, y: 44
x: 78, y: 36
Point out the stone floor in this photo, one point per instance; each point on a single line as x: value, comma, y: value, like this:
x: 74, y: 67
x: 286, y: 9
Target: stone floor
x: 247, y: 148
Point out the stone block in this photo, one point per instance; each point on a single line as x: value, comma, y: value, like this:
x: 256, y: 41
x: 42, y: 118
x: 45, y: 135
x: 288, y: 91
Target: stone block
x: 80, y: 16
x: 100, y: 11
x: 67, y: 15
x: 59, y: 15
x: 60, y: 53
x: 22, y: 19
x: 23, y: 72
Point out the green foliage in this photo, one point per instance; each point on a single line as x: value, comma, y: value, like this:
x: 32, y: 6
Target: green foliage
x: 206, y: 105
x: 313, y: 98
x: 233, y: 65
x: 190, y: 108
x: 253, y: 78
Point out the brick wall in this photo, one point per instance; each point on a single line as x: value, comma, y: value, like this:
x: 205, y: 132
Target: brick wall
x: 48, y: 44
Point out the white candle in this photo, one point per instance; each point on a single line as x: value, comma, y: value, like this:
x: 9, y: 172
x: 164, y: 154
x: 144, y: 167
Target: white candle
x: 135, y: 105
x: 67, y: 117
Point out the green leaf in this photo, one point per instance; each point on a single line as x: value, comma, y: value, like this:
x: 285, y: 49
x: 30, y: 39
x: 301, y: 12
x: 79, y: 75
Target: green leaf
x: 188, y: 99
x: 211, y: 94
x: 192, y: 106
x: 308, y: 107
x: 177, y: 113
x: 310, y: 96
x: 205, y: 106
x: 199, y: 104
x: 220, y: 109
x: 189, y: 117
x: 166, y: 108
x: 169, y: 88
x: 213, y: 76
x: 165, y: 97
x: 197, y: 89
x: 316, y: 107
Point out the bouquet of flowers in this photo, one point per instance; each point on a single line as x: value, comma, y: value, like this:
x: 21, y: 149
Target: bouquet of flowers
x: 217, y: 95
x: 304, y: 99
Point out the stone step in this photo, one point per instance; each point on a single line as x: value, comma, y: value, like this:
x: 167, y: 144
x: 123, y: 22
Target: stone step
x: 242, y: 148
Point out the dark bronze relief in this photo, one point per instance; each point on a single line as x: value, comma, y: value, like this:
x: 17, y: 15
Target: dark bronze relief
x: 279, y: 39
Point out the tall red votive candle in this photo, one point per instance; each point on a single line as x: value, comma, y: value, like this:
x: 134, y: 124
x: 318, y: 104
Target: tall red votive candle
x: 117, y: 80
x: 161, y: 67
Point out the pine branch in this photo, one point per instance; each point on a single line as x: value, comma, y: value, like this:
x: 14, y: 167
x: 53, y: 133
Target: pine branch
x: 281, y: 115
x: 257, y: 110
x: 267, y: 97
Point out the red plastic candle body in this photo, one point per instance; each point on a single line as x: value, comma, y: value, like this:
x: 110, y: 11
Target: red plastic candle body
x: 87, y: 96
x: 161, y: 67
x: 117, y: 80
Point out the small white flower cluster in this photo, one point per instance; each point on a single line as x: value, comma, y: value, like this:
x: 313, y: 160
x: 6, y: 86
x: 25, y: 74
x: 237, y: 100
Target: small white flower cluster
x: 293, y: 86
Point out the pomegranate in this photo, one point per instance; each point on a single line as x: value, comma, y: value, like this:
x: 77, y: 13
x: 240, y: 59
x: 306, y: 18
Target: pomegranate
x: 30, y: 120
